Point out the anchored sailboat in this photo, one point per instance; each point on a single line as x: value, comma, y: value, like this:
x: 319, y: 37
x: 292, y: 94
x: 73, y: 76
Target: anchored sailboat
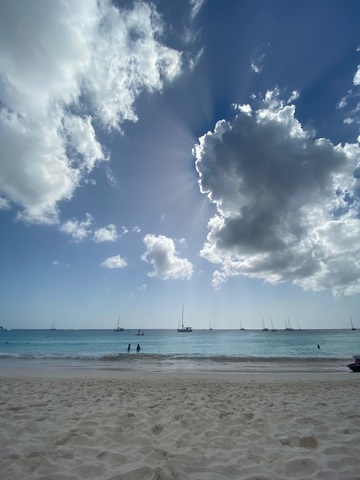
x: 117, y: 327
x: 352, y: 325
x: 288, y: 325
x: 182, y: 328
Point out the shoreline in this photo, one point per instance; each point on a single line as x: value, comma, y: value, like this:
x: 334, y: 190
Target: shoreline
x: 244, y: 376
x: 152, y: 365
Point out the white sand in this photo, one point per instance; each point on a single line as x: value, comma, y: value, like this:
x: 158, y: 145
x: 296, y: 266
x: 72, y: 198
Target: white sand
x: 101, y: 425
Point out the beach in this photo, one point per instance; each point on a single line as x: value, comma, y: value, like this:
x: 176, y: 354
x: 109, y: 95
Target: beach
x: 105, y: 424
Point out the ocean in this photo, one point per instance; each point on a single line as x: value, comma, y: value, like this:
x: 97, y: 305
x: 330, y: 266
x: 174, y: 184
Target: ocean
x: 249, y: 351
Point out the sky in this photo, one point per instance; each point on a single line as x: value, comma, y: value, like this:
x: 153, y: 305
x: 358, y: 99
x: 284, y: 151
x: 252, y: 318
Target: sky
x: 197, y: 153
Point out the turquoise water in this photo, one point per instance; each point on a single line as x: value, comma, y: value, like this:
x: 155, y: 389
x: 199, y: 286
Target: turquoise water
x: 170, y: 350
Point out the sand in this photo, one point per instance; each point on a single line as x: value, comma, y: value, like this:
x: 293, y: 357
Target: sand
x: 101, y: 425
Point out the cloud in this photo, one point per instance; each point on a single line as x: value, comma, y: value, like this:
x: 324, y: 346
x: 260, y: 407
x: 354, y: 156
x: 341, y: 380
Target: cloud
x: 162, y: 255
x: 350, y: 102
x: 76, y: 229
x: 258, y: 58
x: 356, y: 80
x: 196, y: 7
x: 106, y: 234
x: 67, y: 68
x: 114, y: 262
x: 4, y: 204
x: 287, y: 203
x: 59, y: 263
x: 181, y: 242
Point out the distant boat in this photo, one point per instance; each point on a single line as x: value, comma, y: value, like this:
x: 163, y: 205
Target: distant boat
x: 288, y: 325
x: 117, y: 327
x: 241, y: 326
x: 210, y: 328
x: 352, y: 325
x: 182, y: 328
x: 264, y: 329
x: 272, y: 327
x: 53, y: 327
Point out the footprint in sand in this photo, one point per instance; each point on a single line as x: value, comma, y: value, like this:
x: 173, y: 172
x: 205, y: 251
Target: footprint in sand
x: 157, y: 429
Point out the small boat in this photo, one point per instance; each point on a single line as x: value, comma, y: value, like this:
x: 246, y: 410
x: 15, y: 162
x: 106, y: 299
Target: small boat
x: 241, y: 326
x: 355, y: 366
x: 264, y: 329
x: 53, y: 327
x: 352, y: 325
x: 117, y: 326
x: 182, y: 328
x: 273, y: 329
x: 288, y: 326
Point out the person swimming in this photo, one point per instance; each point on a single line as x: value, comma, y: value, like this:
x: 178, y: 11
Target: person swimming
x: 138, y: 347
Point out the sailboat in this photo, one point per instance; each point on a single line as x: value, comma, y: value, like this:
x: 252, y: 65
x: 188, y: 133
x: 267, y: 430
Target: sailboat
x: 264, y: 329
x: 273, y: 329
x: 288, y: 325
x: 352, y: 325
x: 241, y: 326
x: 182, y: 328
x: 53, y: 327
x: 117, y: 327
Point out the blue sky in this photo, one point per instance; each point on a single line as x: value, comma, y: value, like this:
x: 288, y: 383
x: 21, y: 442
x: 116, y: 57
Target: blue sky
x: 197, y: 153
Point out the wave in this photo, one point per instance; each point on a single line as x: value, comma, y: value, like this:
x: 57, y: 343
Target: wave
x: 128, y: 358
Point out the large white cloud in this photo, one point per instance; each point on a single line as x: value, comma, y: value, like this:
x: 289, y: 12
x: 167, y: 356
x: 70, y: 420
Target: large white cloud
x: 65, y: 67
x: 161, y: 253
x: 287, y: 204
